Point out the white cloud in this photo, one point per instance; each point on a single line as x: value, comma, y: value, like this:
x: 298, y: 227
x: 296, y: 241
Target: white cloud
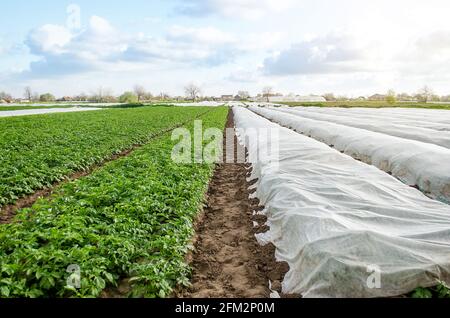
x: 98, y: 40
x: 49, y: 38
x: 150, y: 49
x: 432, y: 49
x: 3, y: 49
x: 197, y: 46
x: 100, y: 26
x: 333, y: 53
x: 409, y: 48
x: 260, y: 41
x: 208, y: 35
x: 247, y: 9
x: 350, y: 53
x: 241, y: 75
x: 101, y: 46
x: 63, y: 51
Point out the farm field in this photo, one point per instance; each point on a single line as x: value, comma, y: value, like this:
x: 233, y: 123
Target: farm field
x: 335, y: 201
x: 38, y: 151
x: 214, y: 157
x: 132, y: 218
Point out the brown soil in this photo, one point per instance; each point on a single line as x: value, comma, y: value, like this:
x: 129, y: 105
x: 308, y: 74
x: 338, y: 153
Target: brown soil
x: 228, y: 262
x: 8, y: 212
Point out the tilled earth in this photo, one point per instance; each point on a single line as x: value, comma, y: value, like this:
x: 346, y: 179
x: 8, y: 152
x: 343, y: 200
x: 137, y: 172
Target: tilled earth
x: 228, y: 262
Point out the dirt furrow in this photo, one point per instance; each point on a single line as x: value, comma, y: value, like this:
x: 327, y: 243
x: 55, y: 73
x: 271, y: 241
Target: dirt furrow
x: 228, y: 262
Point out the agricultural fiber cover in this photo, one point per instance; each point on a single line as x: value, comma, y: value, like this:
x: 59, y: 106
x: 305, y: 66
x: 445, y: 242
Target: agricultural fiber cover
x: 414, y: 163
x: 337, y: 221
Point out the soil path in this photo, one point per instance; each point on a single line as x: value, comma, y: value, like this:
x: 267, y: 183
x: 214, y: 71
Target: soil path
x: 228, y: 262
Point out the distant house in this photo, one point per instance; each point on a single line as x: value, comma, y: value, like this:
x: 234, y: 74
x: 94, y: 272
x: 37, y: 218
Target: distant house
x: 227, y: 98
x: 2, y: 101
x: 377, y: 97
x: 258, y: 98
x: 405, y: 98
x: 311, y: 99
x: 297, y: 98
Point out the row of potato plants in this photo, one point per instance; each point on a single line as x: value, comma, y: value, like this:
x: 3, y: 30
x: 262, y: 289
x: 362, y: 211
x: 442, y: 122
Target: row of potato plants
x: 38, y: 151
x: 133, y: 218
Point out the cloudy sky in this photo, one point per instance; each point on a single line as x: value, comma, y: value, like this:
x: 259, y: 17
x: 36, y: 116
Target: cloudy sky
x: 302, y: 46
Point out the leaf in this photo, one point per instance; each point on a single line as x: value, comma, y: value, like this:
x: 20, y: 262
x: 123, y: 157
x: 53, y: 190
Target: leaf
x: 109, y: 277
x: 422, y: 293
x: 443, y: 291
x: 5, y: 291
x: 100, y: 283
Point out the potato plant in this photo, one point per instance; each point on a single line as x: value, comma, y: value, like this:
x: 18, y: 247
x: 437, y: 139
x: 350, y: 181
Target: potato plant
x: 133, y: 218
x: 37, y: 151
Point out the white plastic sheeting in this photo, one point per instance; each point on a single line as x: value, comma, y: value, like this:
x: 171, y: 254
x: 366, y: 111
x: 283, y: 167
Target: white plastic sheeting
x: 414, y: 163
x: 397, y: 113
x: 74, y: 104
x: 200, y: 104
x: 211, y: 104
x: 29, y: 112
x: 426, y: 118
x: 440, y: 138
x: 341, y: 224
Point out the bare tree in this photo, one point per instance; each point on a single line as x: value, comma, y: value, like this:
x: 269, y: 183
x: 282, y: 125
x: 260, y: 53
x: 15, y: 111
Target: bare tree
x: 47, y: 98
x: 342, y: 98
x: 140, y: 92
x: 28, y: 93
x: 192, y: 92
x: 164, y: 96
x: 98, y: 95
x: 5, y: 97
x: 108, y: 96
x: 35, y: 97
x: 267, y: 92
x: 243, y: 95
x: 329, y: 97
x: 445, y: 99
x: 391, y: 97
x: 148, y: 96
x: 103, y: 95
x: 435, y: 98
x: 405, y: 97
x: 81, y: 98
x: 425, y: 94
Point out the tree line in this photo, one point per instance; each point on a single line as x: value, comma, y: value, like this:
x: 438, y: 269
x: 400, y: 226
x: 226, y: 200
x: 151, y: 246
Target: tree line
x: 194, y: 93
